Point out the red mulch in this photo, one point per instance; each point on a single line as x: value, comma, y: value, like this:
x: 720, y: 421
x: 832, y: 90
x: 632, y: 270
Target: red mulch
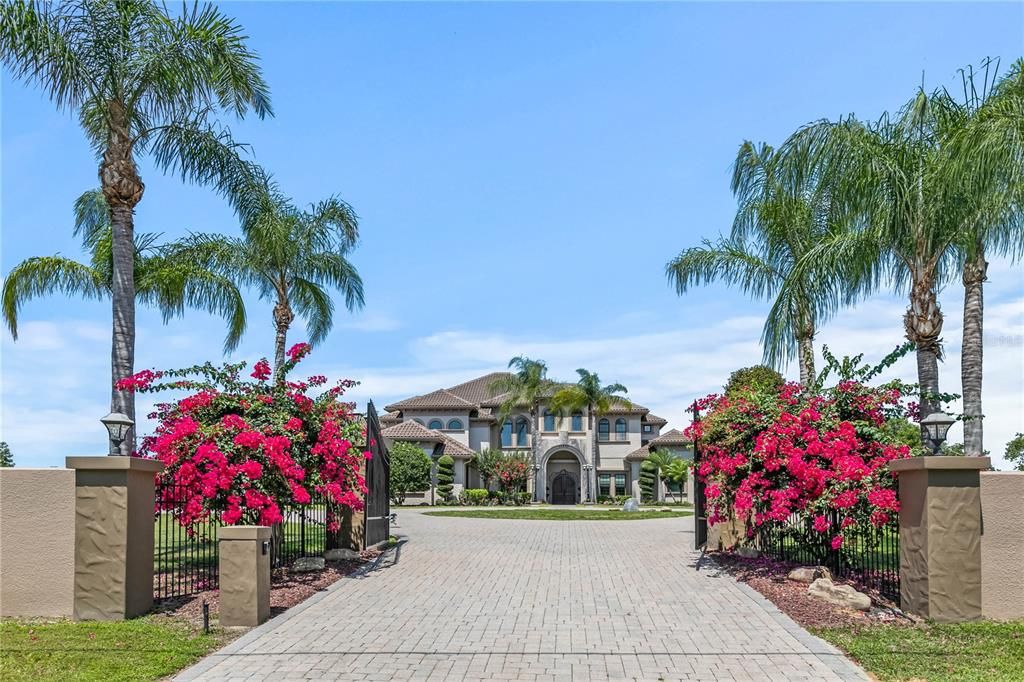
x: 287, y: 589
x: 768, y: 577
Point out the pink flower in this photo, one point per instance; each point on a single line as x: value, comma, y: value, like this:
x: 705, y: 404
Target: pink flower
x: 249, y: 439
x: 298, y: 351
x: 845, y: 499
x: 233, y: 421
x: 252, y: 469
x: 884, y: 498
x: 261, y: 370
x: 293, y: 424
x: 837, y: 542
x: 821, y: 524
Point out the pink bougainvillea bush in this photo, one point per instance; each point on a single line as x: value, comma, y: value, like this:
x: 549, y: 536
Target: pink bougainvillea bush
x: 821, y: 454
x: 250, y: 447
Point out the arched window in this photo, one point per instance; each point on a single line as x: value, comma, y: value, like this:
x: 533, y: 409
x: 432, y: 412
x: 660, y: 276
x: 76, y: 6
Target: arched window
x: 577, y: 421
x: 506, y: 434
x: 549, y: 421
x: 454, y: 424
x: 522, y: 428
x: 435, y: 424
x: 603, y: 428
x: 620, y: 429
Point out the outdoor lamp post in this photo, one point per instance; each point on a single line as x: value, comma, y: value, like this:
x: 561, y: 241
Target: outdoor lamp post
x: 118, y: 425
x: 935, y: 427
x: 588, y: 468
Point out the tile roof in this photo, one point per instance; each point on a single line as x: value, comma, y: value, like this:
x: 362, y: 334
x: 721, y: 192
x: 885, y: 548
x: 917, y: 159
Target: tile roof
x: 477, y: 391
x: 390, y: 418
x: 654, y: 419
x: 414, y: 431
x: 673, y: 437
x: 639, y: 454
x: 441, y: 399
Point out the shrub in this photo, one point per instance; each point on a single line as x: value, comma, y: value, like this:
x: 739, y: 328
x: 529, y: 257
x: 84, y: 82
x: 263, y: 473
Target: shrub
x: 513, y: 471
x: 524, y: 498
x: 773, y: 452
x: 249, y: 449
x: 410, y: 470
x: 648, y: 479
x: 756, y: 378
x: 445, y: 477
x: 475, y: 496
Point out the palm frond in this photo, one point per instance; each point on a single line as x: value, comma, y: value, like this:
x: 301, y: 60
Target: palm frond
x: 45, y: 275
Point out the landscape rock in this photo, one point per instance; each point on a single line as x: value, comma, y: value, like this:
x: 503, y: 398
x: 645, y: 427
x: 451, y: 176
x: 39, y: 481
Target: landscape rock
x: 308, y: 564
x: 808, y: 574
x: 841, y: 595
x: 748, y: 552
x: 631, y: 506
x: 341, y: 555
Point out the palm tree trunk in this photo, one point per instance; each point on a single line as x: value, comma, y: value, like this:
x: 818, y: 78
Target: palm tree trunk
x: 805, y: 344
x: 123, y: 189
x: 283, y: 317
x: 974, y: 276
x: 923, y: 324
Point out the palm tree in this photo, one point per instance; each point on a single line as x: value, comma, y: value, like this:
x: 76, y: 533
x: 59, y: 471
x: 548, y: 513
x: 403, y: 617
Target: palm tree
x: 289, y: 256
x: 588, y: 393
x: 775, y: 225
x: 677, y: 471
x: 657, y: 465
x: 162, y: 279
x: 141, y: 81
x: 987, y: 157
x: 892, y: 178
x: 524, y: 387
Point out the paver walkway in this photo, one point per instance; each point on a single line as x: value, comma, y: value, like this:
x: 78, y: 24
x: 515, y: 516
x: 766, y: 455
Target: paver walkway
x: 489, y: 599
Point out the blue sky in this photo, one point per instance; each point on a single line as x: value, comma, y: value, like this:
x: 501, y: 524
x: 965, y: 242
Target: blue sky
x: 522, y: 173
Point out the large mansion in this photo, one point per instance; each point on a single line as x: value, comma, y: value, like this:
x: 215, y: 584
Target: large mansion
x: 462, y: 420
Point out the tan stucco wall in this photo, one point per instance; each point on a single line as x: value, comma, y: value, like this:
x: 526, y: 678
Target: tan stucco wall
x: 244, y: 575
x: 1002, y: 545
x: 37, y: 542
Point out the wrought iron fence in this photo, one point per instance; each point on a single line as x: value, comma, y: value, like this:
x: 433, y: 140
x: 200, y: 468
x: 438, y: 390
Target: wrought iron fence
x: 376, y: 519
x: 869, y: 556
x: 186, y: 559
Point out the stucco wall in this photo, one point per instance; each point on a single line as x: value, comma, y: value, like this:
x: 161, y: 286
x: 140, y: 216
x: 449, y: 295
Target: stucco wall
x: 37, y: 542
x: 1002, y: 544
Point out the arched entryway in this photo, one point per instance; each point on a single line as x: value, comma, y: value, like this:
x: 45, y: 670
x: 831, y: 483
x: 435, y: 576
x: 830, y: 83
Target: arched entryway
x: 562, y: 468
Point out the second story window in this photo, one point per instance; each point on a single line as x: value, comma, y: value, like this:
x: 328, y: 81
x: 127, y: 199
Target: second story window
x: 522, y: 428
x: 549, y: 421
x: 506, y: 434
x: 647, y: 428
x: 435, y: 424
x: 454, y: 424
x: 620, y: 429
x: 603, y: 429
x: 577, y: 421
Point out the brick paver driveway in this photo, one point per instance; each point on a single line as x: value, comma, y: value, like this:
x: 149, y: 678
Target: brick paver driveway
x: 533, y: 600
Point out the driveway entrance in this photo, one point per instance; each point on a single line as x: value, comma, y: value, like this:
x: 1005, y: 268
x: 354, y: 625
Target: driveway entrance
x: 484, y: 599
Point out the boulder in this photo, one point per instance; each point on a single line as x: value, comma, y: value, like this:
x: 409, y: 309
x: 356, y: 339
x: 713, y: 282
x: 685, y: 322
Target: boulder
x: 808, y: 574
x: 308, y: 564
x: 748, y: 552
x: 841, y: 595
x: 341, y: 555
x: 631, y: 506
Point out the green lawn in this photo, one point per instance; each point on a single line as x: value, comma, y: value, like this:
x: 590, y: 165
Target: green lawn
x: 962, y: 652
x: 140, y: 649
x: 549, y: 514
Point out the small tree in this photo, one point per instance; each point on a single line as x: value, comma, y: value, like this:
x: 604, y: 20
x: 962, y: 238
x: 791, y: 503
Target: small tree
x: 758, y: 377
x: 410, y: 470
x: 648, y: 479
x: 1015, y: 452
x: 445, y: 477
x: 487, y: 463
x: 6, y: 458
x: 513, y: 471
x: 677, y: 472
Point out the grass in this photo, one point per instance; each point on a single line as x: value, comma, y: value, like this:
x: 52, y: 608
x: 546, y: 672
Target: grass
x: 549, y: 514
x: 935, y: 652
x: 140, y: 649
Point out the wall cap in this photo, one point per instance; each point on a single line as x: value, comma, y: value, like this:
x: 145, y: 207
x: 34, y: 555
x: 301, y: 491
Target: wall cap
x: 243, y: 533
x: 115, y: 462
x: 939, y: 462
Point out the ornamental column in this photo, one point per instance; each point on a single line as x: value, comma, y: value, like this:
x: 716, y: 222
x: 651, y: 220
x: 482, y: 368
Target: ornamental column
x: 940, y: 536
x: 114, y: 505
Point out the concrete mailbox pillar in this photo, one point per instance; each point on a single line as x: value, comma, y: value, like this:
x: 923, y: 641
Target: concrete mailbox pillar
x: 940, y: 536
x: 244, y: 575
x: 114, y: 504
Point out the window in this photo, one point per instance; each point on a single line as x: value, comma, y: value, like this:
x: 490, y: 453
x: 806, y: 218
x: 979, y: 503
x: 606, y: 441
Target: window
x: 647, y: 428
x: 602, y: 429
x: 549, y: 421
x: 620, y: 429
x: 435, y: 424
x: 604, y: 485
x: 577, y: 421
x: 454, y: 424
x: 620, y: 484
x: 522, y: 428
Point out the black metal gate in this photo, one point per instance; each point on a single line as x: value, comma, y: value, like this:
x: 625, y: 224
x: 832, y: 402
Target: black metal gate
x: 700, y: 515
x: 377, y: 517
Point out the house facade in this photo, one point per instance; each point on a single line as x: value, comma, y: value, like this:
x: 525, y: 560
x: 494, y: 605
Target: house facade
x: 577, y: 457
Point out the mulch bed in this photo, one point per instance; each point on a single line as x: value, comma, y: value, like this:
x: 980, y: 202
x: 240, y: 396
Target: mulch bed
x: 768, y: 577
x: 287, y: 589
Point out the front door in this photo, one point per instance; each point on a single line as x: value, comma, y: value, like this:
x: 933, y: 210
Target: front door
x: 563, y: 489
